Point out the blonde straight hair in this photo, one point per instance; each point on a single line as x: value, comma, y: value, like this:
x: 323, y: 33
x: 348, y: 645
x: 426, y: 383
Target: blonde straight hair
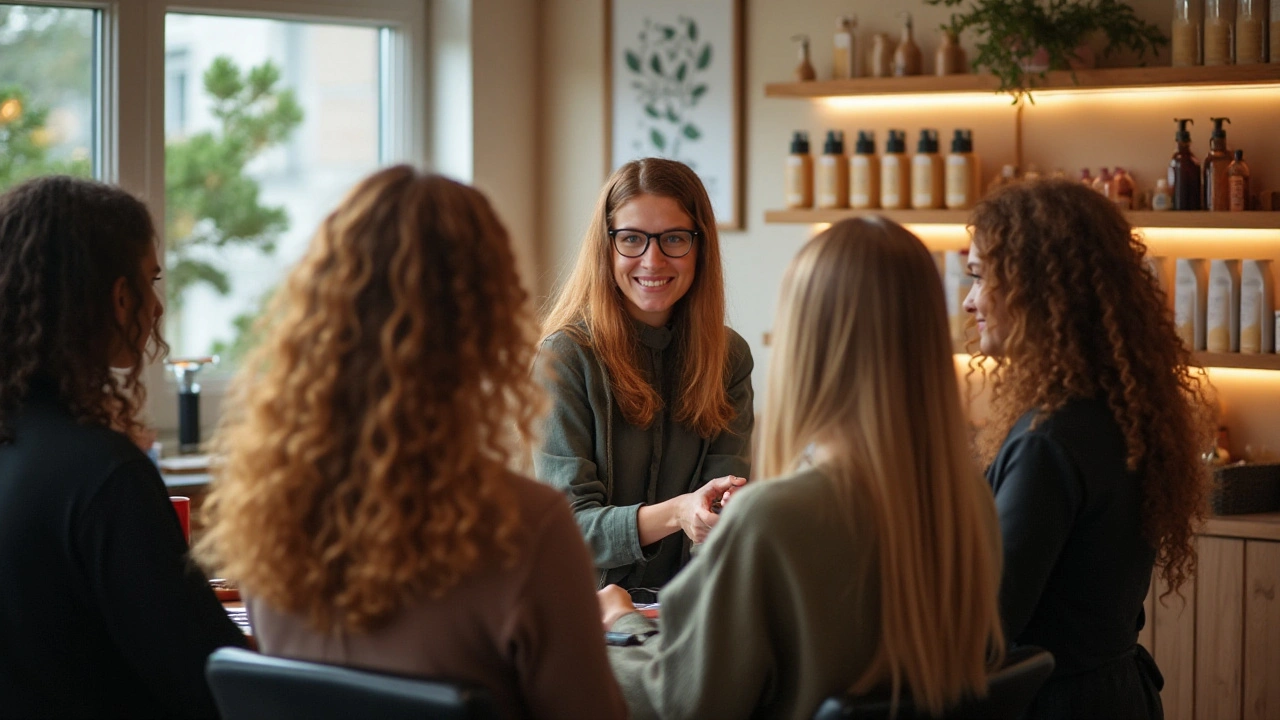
x: 862, y: 365
x: 590, y: 308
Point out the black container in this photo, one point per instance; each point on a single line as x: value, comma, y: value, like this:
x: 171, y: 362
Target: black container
x: 188, y: 422
x: 1245, y: 489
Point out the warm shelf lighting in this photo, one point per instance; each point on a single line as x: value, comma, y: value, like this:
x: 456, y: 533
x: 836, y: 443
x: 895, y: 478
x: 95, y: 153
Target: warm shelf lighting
x: 923, y: 101
x: 1162, y: 93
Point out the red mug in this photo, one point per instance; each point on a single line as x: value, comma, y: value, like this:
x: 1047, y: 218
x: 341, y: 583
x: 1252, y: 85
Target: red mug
x: 182, y: 506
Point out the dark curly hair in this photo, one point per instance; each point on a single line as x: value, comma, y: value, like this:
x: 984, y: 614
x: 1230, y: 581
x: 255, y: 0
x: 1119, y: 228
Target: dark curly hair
x: 64, y: 243
x: 1087, y: 319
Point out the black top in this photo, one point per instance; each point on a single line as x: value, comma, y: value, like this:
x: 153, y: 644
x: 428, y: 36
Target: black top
x: 1076, y: 565
x: 101, y: 613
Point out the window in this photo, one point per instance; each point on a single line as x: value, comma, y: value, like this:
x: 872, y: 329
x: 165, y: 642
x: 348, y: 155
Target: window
x: 48, y: 61
x: 268, y: 124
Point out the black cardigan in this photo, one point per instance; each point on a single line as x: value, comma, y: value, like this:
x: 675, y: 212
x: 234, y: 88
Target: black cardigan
x: 101, y: 612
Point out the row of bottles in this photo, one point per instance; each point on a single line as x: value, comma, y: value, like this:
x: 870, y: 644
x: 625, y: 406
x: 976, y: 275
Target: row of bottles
x: 1222, y: 306
x: 1222, y: 184
x: 883, y: 58
x: 1204, y: 32
x: 892, y: 181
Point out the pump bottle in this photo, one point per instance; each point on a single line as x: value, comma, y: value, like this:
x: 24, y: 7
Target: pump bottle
x: 799, y: 172
x: 833, y: 173
x: 895, y: 174
x: 864, y: 192
x: 1184, y: 170
x: 1216, y: 194
x: 963, y: 174
x: 927, y: 173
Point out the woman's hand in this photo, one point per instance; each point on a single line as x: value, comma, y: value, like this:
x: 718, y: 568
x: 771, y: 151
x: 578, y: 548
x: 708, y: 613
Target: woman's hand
x: 699, y: 511
x: 614, y: 603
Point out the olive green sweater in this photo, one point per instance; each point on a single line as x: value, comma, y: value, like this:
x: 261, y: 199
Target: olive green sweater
x: 608, y: 467
x: 779, y: 610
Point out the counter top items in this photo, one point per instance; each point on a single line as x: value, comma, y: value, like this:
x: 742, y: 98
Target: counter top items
x: 1245, y: 489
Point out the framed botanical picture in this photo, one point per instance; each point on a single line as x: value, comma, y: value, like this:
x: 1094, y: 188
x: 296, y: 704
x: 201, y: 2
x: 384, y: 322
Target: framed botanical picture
x: 674, y: 73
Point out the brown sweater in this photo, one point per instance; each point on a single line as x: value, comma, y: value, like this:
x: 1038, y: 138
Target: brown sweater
x: 529, y: 632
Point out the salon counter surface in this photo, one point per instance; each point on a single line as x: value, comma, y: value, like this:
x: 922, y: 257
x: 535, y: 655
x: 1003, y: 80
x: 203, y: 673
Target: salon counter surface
x: 1262, y: 526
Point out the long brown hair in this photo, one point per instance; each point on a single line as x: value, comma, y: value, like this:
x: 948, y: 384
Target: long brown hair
x: 862, y: 366
x: 365, y: 462
x: 1086, y: 319
x: 590, y: 309
x: 64, y: 243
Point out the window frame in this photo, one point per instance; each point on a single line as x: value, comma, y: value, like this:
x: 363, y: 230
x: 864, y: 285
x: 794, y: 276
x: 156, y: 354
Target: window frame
x: 129, y: 107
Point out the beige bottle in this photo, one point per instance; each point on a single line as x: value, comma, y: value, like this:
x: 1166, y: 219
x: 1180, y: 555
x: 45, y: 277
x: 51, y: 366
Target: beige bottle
x: 1257, y: 306
x: 833, y: 173
x: 1223, y: 309
x: 1190, y: 292
x: 1185, y: 33
x: 864, y: 169
x: 963, y: 173
x: 881, y: 63
x: 949, y: 59
x: 956, y: 282
x: 1217, y: 33
x: 895, y: 173
x: 928, y: 175
x: 1251, y: 33
x: 799, y: 173
x: 906, y: 58
x: 845, y: 50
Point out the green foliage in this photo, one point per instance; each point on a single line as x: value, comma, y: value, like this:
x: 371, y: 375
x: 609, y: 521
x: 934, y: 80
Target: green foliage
x: 666, y: 64
x: 210, y: 200
x: 24, y: 142
x: 1011, y: 30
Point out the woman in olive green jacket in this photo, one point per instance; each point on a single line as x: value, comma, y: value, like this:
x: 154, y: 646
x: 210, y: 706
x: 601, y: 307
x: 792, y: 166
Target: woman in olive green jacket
x: 651, y: 420
x: 873, y: 560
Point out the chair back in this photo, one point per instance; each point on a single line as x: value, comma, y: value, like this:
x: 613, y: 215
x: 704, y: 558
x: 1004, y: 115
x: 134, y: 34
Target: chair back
x: 250, y: 686
x: 1010, y: 691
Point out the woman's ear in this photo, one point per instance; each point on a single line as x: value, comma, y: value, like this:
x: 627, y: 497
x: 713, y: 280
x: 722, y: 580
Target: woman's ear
x: 120, y: 301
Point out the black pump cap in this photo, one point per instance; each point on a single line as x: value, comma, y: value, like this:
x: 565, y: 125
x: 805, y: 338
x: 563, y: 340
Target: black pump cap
x: 897, y: 142
x: 866, y: 144
x: 835, y: 143
x: 928, y: 141
x: 1183, y: 135
x: 800, y: 143
x: 1240, y: 155
x: 1218, y: 132
x: 962, y: 141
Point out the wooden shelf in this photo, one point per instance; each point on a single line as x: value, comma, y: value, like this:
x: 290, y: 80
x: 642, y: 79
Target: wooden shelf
x: 1261, y: 361
x: 1096, y: 79
x: 1263, y: 526
x: 1141, y: 219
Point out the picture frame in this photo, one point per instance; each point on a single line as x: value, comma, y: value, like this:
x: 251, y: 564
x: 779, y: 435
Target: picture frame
x: 673, y: 75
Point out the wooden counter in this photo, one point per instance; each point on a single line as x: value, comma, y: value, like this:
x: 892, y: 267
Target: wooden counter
x: 1265, y: 526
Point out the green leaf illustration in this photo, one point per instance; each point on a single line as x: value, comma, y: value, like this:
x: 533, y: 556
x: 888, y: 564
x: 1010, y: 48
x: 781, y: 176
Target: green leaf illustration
x: 659, y: 140
x: 704, y: 58
x: 633, y: 61
x: 651, y: 111
x: 655, y: 63
x: 691, y: 132
x: 668, y: 32
x: 699, y: 91
x: 684, y: 70
x: 671, y: 115
x: 693, y: 31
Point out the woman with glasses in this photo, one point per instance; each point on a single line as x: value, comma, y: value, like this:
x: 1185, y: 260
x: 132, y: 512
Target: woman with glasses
x: 651, y: 420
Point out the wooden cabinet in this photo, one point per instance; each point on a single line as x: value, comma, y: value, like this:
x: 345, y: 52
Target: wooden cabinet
x: 1218, y: 645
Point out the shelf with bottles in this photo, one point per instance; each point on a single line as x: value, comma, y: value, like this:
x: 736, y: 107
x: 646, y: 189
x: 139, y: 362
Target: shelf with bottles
x: 1243, y: 361
x: 1249, y: 220
x: 1093, y: 79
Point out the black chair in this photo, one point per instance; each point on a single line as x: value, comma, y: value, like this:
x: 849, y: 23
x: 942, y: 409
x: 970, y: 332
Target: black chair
x: 250, y: 686
x: 1010, y: 691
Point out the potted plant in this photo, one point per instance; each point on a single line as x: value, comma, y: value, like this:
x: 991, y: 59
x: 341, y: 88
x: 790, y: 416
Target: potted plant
x: 1012, y: 32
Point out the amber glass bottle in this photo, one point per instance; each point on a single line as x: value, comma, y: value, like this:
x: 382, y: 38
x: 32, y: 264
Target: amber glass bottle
x: 1184, y: 171
x: 1216, y: 194
x: 1238, y: 183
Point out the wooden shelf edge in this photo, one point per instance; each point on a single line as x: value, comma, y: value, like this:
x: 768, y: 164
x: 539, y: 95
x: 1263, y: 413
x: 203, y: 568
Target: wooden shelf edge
x: 1255, y: 220
x: 1260, y: 361
x: 1263, y: 526
x: 1094, y: 79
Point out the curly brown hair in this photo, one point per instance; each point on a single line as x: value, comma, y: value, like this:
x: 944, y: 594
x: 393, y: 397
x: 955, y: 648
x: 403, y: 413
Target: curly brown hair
x: 366, y: 460
x: 64, y: 244
x: 1085, y: 318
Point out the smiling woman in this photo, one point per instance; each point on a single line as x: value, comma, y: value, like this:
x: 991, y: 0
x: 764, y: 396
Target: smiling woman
x: 652, y: 414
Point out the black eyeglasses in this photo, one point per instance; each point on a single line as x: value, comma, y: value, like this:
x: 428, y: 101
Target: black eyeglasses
x: 635, y: 243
